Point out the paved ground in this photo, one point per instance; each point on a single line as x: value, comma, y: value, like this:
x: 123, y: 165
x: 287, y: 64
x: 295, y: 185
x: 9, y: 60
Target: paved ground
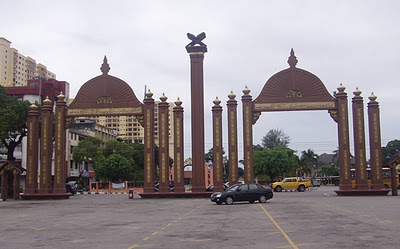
x: 312, y: 219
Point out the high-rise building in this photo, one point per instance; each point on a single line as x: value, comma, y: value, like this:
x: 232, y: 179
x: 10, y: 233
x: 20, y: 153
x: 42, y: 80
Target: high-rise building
x: 16, y: 69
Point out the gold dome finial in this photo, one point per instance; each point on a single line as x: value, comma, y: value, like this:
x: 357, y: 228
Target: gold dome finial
x: 231, y: 95
x: 372, y: 97
x: 61, y: 96
x: 178, y: 102
x: 163, y: 98
x: 246, y: 90
x: 33, y: 107
x: 149, y: 94
x: 217, y: 101
x: 341, y: 88
x: 357, y: 92
x: 47, y: 101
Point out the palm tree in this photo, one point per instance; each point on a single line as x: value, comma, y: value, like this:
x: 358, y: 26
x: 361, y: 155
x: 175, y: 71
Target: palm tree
x: 309, y: 162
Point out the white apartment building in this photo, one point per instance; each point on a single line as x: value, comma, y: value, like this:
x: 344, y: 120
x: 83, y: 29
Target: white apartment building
x: 16, y: 69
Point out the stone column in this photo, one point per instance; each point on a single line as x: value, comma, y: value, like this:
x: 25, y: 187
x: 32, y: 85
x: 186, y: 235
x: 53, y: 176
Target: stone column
x: 148, y: 143
x: 218, y: 165
x: 359, y: 141
x: 343, y: 138
x: 197, y: 111
x: 179, y: 184
x: 163, y: 134
x: 31, y: 182
x: 232, y: 139
x: 247, y: 106
x: 375, y: 143
x: 46, y: 147
x: 59, y: 167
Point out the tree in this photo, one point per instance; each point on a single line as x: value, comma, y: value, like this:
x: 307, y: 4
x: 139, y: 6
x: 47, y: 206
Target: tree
x: 116, y: 147
x: 114, y: 168
x: 275, y: 162
x: 391, y: 149
x: 308, y: 162
x: 275, y: 138
x: 86, y: 149
x: 13, y: 122
x: 329, y: 170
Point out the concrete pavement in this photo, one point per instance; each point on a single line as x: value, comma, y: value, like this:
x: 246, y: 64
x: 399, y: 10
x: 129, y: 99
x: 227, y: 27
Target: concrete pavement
x: 311, y: 219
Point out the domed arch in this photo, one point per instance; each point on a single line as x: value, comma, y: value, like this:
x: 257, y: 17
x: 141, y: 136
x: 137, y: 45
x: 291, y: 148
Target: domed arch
x: 293, y: 89
x: 105, y: 95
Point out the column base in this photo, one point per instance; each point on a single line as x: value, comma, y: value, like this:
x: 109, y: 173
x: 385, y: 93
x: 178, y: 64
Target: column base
x: 345, y: 187
x: 198, y: 189
x: 148, y: 189
x: 362, y: 187
x: 356, y: 192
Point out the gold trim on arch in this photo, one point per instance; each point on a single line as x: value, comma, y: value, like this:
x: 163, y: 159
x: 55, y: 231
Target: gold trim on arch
x: 294, y: 106
x: 105, y: 111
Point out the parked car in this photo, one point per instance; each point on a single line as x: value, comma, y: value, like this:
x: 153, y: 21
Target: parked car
x: 243, y: 192
x: 292, y: 183
x: 171, y: 186
x: 70, y: 188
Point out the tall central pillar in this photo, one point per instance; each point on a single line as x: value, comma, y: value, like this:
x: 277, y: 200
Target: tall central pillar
x: 196, y: 50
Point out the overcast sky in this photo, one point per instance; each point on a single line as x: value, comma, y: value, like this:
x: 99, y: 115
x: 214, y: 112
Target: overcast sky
x: 351, y: 42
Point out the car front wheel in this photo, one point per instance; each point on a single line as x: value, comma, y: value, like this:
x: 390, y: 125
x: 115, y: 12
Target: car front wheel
x: 262, y: 199
x: 229, y: 200
x: 301, y: 188
x: 278, y: 189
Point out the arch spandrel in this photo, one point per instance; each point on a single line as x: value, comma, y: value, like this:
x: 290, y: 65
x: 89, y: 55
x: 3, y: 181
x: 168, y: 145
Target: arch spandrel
x: 293, y: 89
x: 105, y: 95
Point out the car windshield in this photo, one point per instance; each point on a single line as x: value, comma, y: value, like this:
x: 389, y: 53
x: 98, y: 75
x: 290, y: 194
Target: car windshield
x: 233, y: 188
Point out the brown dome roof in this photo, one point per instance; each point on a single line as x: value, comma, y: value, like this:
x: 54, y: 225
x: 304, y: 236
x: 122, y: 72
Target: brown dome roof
x: 105, y: 92
x: 293, y: 85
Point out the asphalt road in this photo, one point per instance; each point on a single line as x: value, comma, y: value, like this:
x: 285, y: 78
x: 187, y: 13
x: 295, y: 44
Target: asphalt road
x: 312, y: 219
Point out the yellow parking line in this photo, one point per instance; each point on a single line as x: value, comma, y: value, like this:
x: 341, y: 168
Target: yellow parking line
x: 279, y: 228
x: 154, y: 233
